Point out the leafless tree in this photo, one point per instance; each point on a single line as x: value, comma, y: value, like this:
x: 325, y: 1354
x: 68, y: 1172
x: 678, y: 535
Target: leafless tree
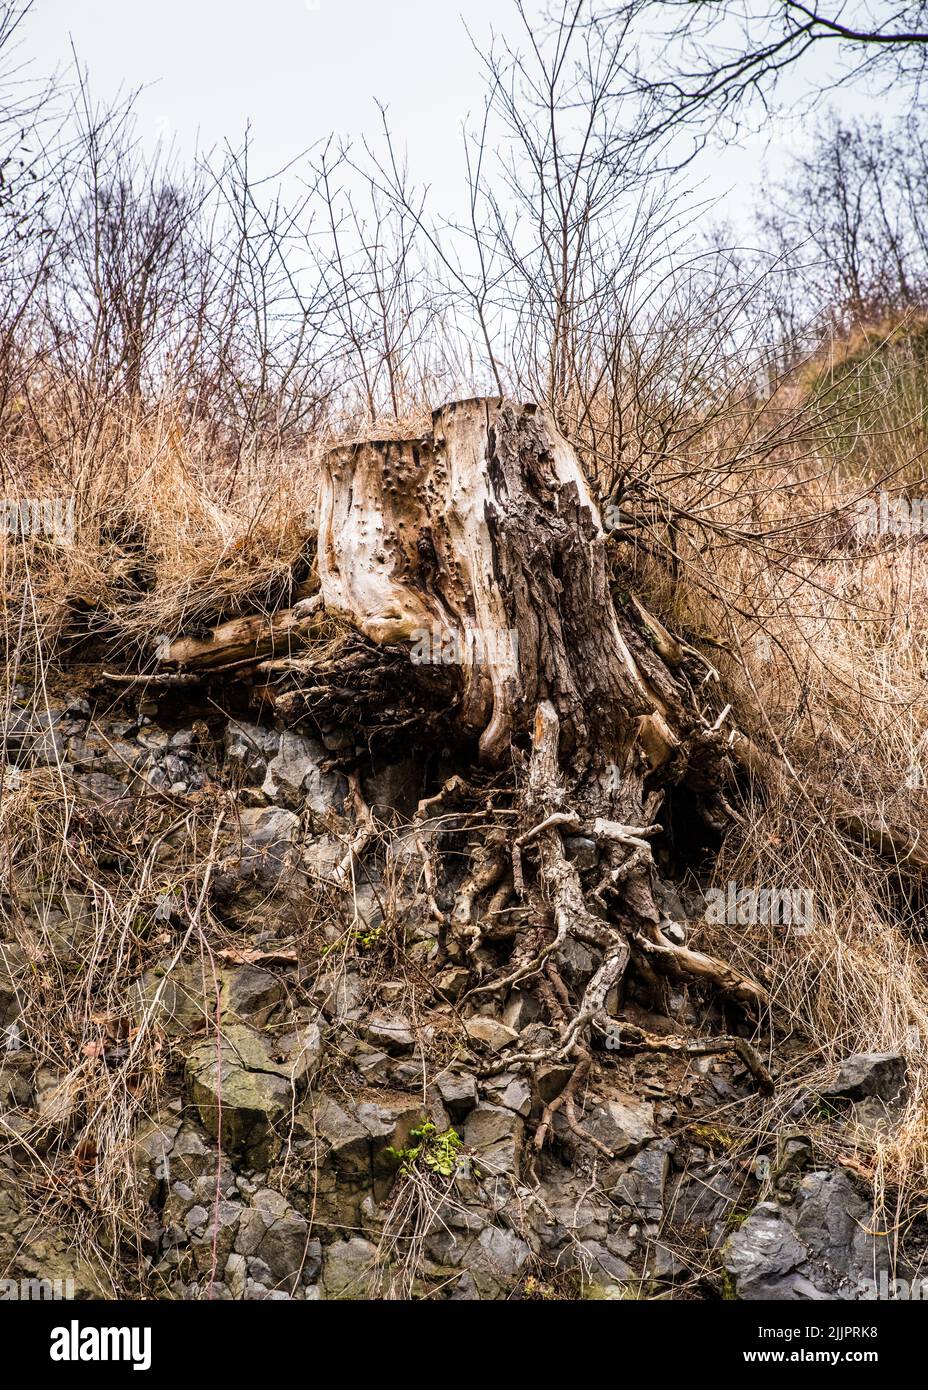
x: 854, y: 213
x: 699, y: 60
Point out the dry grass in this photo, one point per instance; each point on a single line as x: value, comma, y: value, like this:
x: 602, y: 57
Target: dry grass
x: 820, y: 636
x: 167, y: 536
x: 81, y: 924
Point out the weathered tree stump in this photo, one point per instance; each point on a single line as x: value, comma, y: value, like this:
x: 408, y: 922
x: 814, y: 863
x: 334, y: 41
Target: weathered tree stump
x: 484, y: 536
x: 480, y: 544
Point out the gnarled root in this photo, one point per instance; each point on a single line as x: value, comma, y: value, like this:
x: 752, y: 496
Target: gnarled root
x: 629, y: 1035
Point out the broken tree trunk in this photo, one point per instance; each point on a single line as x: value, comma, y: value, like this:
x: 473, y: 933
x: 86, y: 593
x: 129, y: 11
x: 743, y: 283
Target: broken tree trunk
x: 245, y: 639
x: 480, y: 545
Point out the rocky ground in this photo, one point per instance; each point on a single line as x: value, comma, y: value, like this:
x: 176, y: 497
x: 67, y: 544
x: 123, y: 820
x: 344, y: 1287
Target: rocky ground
x: 325, y: 1113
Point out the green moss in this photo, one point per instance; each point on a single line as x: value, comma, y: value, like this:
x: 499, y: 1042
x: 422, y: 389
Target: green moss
x: 713, y: 1136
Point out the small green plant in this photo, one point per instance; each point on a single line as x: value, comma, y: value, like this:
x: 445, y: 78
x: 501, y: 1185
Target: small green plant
x: 736, y: 1219
x: 366, y: 937
x: 537, y: 1289
x: 437, y: 1152
x: 363, y: 937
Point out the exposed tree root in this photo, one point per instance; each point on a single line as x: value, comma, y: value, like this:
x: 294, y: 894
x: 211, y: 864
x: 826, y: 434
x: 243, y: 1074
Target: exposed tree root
x: 683, y: 963
x: 629, y: 1035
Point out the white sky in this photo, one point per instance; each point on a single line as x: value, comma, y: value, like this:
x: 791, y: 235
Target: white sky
x: 301, y: 69
x: 296, y: 69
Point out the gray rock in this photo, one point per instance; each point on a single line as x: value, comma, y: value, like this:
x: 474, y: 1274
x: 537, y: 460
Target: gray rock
x: 236, y: 1274
x: 642, y: 1187
x: 268, y: 835
x: 762, y: 1252
x: 248, y: 748
x: 668, y: 900
x: 350, y: 1270
x: 879, y: 1074
x: 177, y: 1002
x: 521, y: 1010
x: 375, y: 1066
x: 577, y: 962
x: 875, y: 1116
x: 321, y: 856
x: 493, y: 1136
x: 390, y: 1126
x: 17, y: 737
x: 407, y: 1073
x: 490, y: 1033
x: 663, y: 1265
x: 514, y: 1092
x: 821, y: 1247
x: 705, y: 1201
x: 835, y: 1223
x: 603, y: 1275
x: 190, y: 1158
x: 495, y: 1260
x: 242, y: 1087
x: 349, y: 1142
x: 273, y: 1231
x: 216, y: 1239
x: 294, y: 778
x: 339, y: 995
x: 151, y: 1155
x: 196, y: 1217
x: 390, y: 1031
x: 571, y: 1212
x: 622, y: 1125
x: 46, y: 744
x: 251, y: 992
x: 550, y: 1080
x: 452, y: 982
x: 394, y: 789
x: 458, y: 1090
x: 55, y: 1098
x: 258, y: 1272
x: 104, y: 790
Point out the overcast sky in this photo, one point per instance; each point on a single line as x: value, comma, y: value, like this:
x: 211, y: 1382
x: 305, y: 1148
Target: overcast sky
x: 298, y: 70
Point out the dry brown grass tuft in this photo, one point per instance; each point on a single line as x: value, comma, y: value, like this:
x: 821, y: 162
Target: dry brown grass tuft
x: 166, y: 536
x: 819, y: 632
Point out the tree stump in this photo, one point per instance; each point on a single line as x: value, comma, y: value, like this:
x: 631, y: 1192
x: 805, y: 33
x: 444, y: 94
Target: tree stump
x: 480, y: 545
